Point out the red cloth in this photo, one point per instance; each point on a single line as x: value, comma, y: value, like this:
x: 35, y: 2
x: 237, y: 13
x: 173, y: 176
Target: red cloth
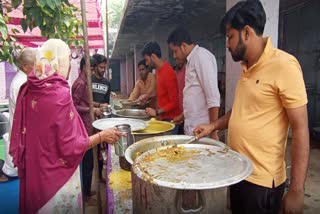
x: 167, y: 91
x: 48, y: 140
x: 80, y: 96
x: 181, y: 74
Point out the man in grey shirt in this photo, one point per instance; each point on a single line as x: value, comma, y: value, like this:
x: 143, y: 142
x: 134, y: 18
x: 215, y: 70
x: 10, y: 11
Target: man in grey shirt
x: 201, y: 97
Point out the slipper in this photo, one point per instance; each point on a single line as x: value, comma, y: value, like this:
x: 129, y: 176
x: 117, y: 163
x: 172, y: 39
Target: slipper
x: 3, y: 177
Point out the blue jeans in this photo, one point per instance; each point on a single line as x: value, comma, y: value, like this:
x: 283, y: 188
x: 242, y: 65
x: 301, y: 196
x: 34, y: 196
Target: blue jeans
x: 176, y: 127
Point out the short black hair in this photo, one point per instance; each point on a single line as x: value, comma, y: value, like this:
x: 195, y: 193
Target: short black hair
x: 93, y: 62
x: 99, y: 58
x: 151, y: 48
x: 142, y: 62
x: 244, y: 13
x: 179, y: 35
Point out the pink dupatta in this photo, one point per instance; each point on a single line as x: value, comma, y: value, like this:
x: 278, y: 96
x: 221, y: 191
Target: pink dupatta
x: 48, y: 139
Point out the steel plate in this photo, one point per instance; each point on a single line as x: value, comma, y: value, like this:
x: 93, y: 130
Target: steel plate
x: 106, y: 123
x: 132, y: 113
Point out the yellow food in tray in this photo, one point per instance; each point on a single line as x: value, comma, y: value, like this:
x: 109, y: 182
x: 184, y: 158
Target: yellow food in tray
x: 155, y: 126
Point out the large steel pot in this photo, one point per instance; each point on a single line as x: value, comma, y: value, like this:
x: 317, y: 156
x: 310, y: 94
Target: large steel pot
x: 152, y: 194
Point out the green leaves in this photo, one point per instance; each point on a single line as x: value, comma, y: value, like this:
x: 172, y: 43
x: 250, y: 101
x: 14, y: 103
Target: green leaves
x: 16, y: 3
x: 42, y: 3
x: 23, y: 24
x: 4, y: 32
x: 55, y: 18
x: 51, y: 4
x: 7, y: 44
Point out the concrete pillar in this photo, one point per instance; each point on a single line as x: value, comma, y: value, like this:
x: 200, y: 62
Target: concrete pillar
x: 129, y: 74
x: 123, y: 79
x: 135, y: 63
x: 160, y: 36
x: 233, y: 69
x: 137, y: 58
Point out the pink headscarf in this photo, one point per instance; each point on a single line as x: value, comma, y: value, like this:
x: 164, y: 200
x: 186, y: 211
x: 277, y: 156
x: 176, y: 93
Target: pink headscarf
x: 48, y: 138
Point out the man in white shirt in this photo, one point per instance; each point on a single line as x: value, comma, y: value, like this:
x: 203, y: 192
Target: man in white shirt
x: 201, y: 97
x: 25, y: 63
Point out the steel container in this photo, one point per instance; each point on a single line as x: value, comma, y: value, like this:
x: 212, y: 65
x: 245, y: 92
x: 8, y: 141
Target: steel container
x: 195, y: 185
x: 124, y: 141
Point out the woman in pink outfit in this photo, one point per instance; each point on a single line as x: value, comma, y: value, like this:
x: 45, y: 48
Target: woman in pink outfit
x: 48, y: 137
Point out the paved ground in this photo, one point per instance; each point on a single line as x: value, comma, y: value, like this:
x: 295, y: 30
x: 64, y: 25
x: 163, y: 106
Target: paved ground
x: 312, y: 187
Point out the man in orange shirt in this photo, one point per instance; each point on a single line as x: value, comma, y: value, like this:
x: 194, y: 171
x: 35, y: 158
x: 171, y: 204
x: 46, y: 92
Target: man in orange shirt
x: 270, y: 96
x: 166, y: 84
x: 145, y: 86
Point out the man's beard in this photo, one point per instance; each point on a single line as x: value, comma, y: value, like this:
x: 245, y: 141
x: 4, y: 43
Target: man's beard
x: 240, y: 51
x: 152, y: 65
x: 143, y: 76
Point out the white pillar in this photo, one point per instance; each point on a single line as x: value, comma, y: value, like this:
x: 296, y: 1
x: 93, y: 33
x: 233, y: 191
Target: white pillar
x: 233, y: 69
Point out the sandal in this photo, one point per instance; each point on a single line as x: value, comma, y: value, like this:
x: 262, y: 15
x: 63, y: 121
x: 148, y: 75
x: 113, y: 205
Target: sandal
x: 3, y: 177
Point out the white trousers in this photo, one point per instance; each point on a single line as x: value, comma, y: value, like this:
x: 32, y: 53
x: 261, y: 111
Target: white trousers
x: 8, y: 167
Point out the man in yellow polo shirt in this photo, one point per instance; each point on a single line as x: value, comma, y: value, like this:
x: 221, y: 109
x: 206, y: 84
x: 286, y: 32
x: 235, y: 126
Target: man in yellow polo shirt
x: 270, y: 96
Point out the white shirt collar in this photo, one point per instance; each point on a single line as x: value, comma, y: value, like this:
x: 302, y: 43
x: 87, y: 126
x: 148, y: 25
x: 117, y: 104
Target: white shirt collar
x: 192, y: 52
